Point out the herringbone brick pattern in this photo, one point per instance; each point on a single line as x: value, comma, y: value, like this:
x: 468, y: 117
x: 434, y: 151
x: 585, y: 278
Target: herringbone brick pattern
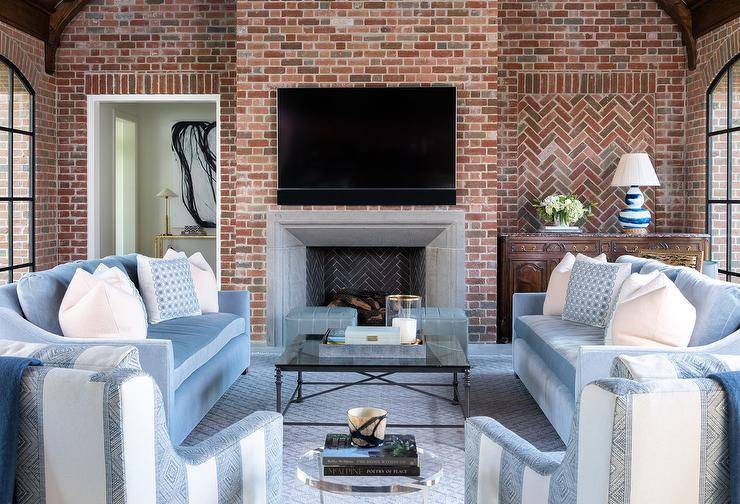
x: 384, y: 270
x: 572, y: 144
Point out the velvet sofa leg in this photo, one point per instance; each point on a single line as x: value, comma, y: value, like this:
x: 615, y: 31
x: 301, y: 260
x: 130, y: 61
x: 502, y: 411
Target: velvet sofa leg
x: 245, y: 371
x: 516, y: 376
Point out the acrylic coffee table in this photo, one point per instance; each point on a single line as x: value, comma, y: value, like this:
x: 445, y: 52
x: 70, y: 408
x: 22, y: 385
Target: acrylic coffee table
x: 310, y: 472
x: 444, y: 356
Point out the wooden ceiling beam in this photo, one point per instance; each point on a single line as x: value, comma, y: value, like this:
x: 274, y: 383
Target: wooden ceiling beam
x: 681, y: 15
x: 27, y: 17
x: 42, y: 23
x: 707, y: 16
x: 65, y: 12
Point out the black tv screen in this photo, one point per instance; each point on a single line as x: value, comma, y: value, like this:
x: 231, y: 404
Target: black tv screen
x: 366, y: 146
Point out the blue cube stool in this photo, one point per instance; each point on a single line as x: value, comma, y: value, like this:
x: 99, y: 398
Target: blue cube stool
x: 446, y: 322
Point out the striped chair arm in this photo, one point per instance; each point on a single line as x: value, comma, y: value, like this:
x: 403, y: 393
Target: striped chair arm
x: 673, y: 365
x: 242, y: 463
x: 90, y: 357
x: 499, y: 462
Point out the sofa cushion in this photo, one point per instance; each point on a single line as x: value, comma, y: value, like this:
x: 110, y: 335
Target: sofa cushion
x: 592, y: 291
x: 167, y: 288
x: 557, y: 342
x: 102, y: 305
x: 557, y: 287
x: 717, y: 306
x: 668, y: 270
x: 195, y: 340
x: 40, y: 294
x: 650, y: 311
x: 636, y: 263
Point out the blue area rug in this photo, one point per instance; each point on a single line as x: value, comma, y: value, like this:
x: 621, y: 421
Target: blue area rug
x: 495, y: 393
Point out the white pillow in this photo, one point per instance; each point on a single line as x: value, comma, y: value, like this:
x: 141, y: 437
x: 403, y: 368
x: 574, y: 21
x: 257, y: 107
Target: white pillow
x: 94, y: 306
x: 206, y: 287
x: 167, y: 288
x: 121, y: 280
x: 651, y: 311
x: 557, y: 287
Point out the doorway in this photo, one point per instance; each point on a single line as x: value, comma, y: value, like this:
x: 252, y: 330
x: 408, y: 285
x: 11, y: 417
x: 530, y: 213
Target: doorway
x: 141, y: 146
x: 125, y: 185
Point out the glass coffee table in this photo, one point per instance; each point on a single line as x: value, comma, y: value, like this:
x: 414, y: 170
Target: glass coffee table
x: 310, y: 472
x: 444, y: 356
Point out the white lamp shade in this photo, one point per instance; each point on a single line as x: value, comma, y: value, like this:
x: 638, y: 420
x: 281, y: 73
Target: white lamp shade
x: 166, y: 193
x: 635, y: 169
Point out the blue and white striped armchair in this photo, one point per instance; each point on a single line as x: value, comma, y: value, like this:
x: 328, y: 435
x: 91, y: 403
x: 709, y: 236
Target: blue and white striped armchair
x: 101, y: 436
x: 659, y: 441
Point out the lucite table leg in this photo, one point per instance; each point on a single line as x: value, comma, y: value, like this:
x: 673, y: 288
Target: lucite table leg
x: 425, y: 495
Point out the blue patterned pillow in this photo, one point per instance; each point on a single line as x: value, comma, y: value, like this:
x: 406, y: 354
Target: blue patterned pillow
x: 592, y: 291
x: 167, y: 288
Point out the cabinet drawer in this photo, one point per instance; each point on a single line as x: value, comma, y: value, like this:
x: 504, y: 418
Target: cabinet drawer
x: 588, y: 248
x: 527, y: 247
x: 678, y: 246
x: 628, y: 248
x: 555, y: 248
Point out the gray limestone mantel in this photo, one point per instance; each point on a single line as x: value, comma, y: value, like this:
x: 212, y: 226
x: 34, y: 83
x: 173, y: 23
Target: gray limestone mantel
x: 440, y: 232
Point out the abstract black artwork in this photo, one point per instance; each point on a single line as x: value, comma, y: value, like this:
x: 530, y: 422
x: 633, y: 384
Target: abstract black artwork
x: 195, y: 160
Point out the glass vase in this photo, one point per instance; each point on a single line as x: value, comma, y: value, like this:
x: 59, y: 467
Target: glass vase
x: 404, y: 311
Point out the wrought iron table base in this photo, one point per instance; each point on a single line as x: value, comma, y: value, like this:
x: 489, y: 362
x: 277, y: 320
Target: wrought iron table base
x: 373, y: 379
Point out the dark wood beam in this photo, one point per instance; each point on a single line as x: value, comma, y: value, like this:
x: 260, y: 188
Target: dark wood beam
x: 681, y: 15
x: 46, y: 23
x: 65, y: 12
x: 710, y: 15
x: 27, y: 17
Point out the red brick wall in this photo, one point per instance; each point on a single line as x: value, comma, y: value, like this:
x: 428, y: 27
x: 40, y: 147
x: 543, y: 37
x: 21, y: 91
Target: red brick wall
x: 622, y: 61
x: 164, y: 47
x: 382, y: 43
x: 715, y: 50
x: 27, y: 54
x: 607, y: 78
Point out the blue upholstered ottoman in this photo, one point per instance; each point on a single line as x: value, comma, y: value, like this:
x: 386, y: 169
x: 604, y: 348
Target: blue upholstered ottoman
x: 316, y: 320
x: 446, y: 322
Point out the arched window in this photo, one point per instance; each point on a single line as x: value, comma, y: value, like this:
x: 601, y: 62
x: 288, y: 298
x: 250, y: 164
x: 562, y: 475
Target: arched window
x: 17, y: 149
x: 723, y: 169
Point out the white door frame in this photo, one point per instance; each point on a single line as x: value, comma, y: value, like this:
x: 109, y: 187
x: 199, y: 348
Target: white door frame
x: 93, y: 110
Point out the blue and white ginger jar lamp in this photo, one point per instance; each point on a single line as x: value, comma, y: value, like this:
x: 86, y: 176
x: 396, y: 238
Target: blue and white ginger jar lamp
x: 634, y: 170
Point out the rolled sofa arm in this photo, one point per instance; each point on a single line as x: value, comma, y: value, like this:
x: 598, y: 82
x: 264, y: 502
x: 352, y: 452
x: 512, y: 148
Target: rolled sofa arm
x: 156, y: 356
x: 527, y: 303
x: 235, y: 302
x: 595, y: 361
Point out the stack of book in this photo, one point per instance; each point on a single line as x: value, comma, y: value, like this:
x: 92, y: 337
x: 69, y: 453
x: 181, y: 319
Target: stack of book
x: 397, y: 456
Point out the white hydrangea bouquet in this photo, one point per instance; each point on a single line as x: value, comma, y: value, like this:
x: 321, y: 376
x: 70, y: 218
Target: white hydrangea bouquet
x: 562, y: 210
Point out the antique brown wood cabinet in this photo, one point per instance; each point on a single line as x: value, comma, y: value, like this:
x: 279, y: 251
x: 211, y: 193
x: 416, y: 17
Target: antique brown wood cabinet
x: 525, y: 260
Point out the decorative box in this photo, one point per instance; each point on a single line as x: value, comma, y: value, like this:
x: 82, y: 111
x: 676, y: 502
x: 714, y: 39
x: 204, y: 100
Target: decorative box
x: 333, y: 346
x: 368, y: 335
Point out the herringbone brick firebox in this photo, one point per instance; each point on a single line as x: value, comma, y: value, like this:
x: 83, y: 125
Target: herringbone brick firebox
x: 380, y: 270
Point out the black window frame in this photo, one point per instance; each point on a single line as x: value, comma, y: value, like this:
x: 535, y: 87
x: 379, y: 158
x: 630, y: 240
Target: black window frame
x: 11, y: 199
x: 728, y: 201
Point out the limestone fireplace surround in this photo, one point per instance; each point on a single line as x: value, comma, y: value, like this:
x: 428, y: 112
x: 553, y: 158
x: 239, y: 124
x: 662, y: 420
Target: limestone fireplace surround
x: 440, y: 232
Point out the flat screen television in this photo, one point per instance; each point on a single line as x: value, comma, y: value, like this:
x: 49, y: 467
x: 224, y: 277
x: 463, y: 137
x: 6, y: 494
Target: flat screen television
x: 366, y: 146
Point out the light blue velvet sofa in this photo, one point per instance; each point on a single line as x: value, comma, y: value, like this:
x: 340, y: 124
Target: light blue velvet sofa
x: 555, y: 359
x: 193, y: 360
